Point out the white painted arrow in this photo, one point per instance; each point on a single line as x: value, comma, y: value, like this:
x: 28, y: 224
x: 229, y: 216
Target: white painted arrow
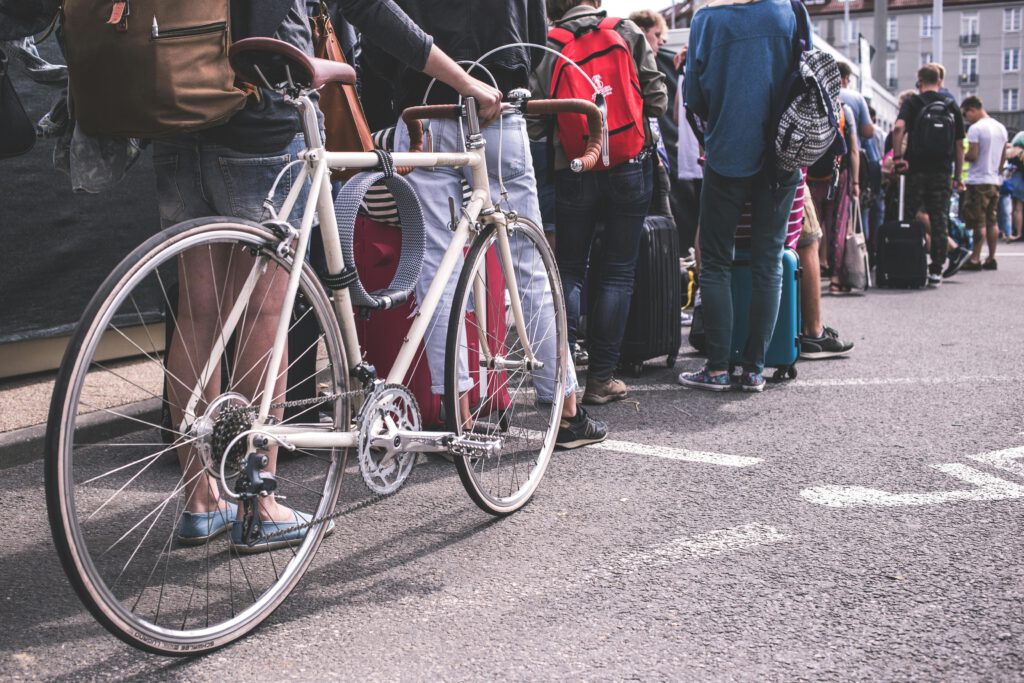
x: 987, y: 487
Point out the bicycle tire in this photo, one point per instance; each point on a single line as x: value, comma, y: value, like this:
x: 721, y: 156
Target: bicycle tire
x: 510, y: 407
x: 202, y: 596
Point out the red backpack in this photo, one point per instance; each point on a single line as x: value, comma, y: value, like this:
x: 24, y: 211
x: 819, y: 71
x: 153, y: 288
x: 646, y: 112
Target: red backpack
x: 602, y: 53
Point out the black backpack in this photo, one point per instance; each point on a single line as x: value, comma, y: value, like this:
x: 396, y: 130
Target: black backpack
x: 931, y: 138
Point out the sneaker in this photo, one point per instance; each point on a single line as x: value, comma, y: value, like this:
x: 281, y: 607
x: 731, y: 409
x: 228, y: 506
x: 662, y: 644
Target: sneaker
x: 580, y: 357
x: 598, y: 393
x: 971, y: 265
x: 934, y: 279
x: 685, y: 319
x: 828, y: 345
x: 990, y: 265
x: 957, y: 259
x: 580, y: 430
x: 703, y: 380
x: 752, y: 381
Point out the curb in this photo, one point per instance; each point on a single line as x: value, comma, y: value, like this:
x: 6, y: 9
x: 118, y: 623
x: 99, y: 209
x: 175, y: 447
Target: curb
x: 22, y: 446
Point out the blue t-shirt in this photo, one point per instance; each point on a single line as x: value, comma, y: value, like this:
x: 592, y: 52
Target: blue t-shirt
x: 861, y: 116
x: 736, y: 67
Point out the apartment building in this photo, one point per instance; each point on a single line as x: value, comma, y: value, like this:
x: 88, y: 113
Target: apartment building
x: 982, y: 45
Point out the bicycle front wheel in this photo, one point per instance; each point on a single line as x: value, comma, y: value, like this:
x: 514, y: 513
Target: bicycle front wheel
x: 495, y: 395
x: 159, y: 378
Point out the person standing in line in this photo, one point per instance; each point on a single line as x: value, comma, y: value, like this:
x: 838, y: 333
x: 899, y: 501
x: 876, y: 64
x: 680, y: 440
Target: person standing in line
x: 620, y: 195
x: 986, y: 152
x: 738, y: 58
x: 934, y: 129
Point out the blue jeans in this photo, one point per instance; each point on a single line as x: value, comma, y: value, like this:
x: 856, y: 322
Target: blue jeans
x: 722, y: 201
x: 620, y: 197
x: 195, y: 179
x: 434, y: 187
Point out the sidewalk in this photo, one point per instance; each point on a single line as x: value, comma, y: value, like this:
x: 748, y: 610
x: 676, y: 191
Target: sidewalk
x: 25, y: 403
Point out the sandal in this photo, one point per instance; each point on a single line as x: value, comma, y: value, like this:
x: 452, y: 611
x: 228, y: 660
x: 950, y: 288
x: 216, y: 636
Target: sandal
x: 836, y: 289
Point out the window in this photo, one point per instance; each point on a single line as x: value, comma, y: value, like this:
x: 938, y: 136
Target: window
x: 1011, y: 99
x: 1011, y: 59
x: 926, y: 26
x: 968, y: 24
x: 926, y: 58
x: 1011, y: 19
x: 891, y: 32
x: 968, y: 65
x: 890, y: 73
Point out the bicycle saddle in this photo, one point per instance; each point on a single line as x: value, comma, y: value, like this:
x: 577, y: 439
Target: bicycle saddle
x: 282, y: 63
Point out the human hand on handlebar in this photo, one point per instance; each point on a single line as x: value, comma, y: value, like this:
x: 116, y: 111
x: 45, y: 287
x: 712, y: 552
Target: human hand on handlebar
x: 488, y: 98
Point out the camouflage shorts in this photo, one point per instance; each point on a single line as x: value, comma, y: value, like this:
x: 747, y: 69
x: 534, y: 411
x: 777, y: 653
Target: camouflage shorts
x: 981, y: 205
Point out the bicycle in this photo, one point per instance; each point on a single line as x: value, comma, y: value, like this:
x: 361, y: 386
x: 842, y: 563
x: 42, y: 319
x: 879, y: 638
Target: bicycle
x: 117, y: 479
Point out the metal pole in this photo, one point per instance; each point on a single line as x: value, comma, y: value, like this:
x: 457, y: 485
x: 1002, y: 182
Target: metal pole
x: 846, y: 28
x: 673, y: 13
x: 937, y: 34
x: 881, y: 31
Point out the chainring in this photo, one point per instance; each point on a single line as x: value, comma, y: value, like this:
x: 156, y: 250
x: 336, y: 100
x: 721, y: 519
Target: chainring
x: 388, y: 408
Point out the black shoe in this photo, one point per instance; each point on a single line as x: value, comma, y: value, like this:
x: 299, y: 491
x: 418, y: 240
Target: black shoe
x: 580, y: 430
x: 990, y: 264
x: 957, y: 258
x: 828, y: 345
x: 971, y: 265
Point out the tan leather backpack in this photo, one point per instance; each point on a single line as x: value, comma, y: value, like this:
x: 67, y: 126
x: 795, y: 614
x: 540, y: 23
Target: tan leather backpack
x: 148, y: 68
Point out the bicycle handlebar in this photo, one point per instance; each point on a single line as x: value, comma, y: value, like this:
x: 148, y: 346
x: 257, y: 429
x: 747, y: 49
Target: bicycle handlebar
x: 595, y: 123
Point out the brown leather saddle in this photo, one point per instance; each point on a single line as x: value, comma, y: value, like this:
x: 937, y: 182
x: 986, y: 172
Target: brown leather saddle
x: 280, y: 63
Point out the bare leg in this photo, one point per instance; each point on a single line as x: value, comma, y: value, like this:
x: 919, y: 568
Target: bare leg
x: 993, y: 240
x: 206, y: 293
x: 1018, y: 218
x: 810, y: 290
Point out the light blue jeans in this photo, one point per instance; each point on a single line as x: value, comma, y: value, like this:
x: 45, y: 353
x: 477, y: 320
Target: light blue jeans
x: 434, y: 187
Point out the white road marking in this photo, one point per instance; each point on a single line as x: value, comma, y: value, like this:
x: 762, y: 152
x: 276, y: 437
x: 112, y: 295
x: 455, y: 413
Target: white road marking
x: 676, y: 453
x: 1006, y: 460
x: 703, y: 545
x: 854, y: 382
x: 987, y: 486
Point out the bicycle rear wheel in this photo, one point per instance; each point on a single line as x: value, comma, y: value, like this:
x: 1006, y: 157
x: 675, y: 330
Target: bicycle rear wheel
x: 508, y: 400
x: 124, y: 456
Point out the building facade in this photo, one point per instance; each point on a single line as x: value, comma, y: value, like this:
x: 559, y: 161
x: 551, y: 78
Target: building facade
x: 982, y: 46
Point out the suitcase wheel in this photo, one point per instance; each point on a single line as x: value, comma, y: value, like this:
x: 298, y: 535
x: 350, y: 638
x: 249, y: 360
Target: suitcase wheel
x: 670, y: 362
x: 635, y: 369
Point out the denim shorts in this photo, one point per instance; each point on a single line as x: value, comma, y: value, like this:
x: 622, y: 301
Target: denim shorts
x: 196, y: 179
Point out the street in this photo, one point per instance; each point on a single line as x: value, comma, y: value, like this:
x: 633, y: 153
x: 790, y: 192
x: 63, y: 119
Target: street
x: 862, y: 522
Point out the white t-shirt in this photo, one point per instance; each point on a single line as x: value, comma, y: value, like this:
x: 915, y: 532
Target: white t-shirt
x: 990, y: 135
x: 688, y: 149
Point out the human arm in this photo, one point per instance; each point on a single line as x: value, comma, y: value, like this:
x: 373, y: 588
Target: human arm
x: 652, y: 81
x: 443, y: 68
x: 693, y: 94
x: 958, y: 172
x: 854, y: 155
x: 971, y: 155
x: 899, y: 131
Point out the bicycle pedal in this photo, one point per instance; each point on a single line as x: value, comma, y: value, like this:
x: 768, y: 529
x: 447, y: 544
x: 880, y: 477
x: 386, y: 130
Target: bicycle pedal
x: 475, y: 446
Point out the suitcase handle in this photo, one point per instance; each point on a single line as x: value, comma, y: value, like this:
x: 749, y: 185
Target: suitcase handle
x: 903, y: 189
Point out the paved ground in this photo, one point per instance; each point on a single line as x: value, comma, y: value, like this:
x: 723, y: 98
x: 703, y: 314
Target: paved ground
x: 854, y: 538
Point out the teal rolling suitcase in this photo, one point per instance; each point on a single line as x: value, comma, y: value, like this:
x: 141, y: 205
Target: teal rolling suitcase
x: 784, y: 347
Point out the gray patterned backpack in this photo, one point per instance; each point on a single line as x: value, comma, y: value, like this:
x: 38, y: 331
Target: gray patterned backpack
x: 808, y: 127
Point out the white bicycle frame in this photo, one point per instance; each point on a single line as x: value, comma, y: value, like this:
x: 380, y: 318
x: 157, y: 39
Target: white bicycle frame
x: 318, y: 163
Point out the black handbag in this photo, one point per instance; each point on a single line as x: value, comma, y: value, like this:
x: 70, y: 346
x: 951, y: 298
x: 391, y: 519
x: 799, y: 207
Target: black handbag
x: 17, y: 134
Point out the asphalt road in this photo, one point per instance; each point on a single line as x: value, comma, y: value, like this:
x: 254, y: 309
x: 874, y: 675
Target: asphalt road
x: 854, y: 537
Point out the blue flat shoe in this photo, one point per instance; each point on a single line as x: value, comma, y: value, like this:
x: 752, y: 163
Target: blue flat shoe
x: 285, y: 540
x: 196, y: 528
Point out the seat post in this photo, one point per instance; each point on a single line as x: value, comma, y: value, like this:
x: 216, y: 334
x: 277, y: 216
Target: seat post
x: 310, y: 122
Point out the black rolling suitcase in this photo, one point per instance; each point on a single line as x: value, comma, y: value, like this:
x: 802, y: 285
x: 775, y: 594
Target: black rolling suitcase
x: 902, y: 259
x: 653, y: 328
